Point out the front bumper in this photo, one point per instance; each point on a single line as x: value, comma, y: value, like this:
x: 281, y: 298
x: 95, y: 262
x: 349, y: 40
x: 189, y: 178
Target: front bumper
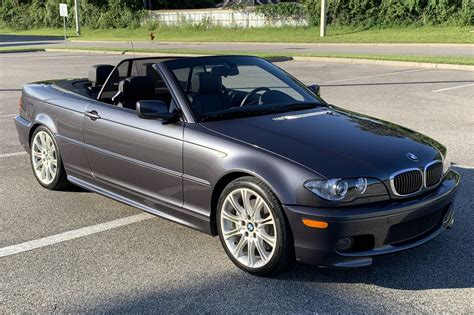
x: 373, y: 229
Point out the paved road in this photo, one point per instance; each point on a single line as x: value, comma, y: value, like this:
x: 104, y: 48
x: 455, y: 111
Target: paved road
x: 376, y: 49
x: 156, y: 265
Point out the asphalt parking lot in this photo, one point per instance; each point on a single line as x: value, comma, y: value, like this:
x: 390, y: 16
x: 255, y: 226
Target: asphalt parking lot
x: 155, y: 265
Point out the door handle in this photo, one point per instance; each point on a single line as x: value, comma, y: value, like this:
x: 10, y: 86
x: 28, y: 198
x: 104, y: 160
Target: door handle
x: 93, y: 115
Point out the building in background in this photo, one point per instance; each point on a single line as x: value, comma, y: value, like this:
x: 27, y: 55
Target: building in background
x: 189, y: 4
x: 231, y: 3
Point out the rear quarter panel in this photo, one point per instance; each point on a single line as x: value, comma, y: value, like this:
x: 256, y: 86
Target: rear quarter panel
x: 62, y: 113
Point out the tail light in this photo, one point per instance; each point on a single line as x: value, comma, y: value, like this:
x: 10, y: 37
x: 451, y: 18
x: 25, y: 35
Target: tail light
x: 20, y: 104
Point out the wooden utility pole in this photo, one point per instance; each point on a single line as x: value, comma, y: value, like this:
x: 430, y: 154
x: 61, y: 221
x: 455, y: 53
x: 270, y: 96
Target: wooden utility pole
x: 322, y: 30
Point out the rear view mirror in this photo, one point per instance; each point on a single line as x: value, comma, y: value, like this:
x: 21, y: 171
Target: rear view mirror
x: 152, y: 109
x: 315, y: 89
x: 224, y: 71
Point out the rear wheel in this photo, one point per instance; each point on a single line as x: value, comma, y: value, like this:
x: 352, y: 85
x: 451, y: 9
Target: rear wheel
x: 46, y: 160
x: 253, y: 229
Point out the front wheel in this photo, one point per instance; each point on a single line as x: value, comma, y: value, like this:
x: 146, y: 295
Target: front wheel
x: 46, y: 160
x: 253, y: 229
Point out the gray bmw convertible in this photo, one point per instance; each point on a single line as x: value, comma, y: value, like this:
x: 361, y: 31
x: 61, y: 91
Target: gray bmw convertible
x: 236, y: 147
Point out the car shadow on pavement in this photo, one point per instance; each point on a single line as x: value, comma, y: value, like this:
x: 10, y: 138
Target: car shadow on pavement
x: 443, y: 263
x: 75, y: 188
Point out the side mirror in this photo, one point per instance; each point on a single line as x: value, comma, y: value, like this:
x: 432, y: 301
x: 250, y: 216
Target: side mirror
x: 155, y: 110
x: 315, y: 89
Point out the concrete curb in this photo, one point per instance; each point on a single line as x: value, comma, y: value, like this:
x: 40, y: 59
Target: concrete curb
x: 125, y: 52
x: 297, y: 58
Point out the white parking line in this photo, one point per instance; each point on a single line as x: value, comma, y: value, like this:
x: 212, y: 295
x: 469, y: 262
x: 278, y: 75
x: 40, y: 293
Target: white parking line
x: 377, y: 75
x: 70, y: 235
x: 452, y: 88
x: 8, y: 115
x: 12, y: 154
x: 463, y: 166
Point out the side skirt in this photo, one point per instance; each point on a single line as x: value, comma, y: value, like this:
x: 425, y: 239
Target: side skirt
x: 171, y: 213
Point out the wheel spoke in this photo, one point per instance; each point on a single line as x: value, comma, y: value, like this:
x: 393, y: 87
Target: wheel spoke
x: 47, y: 173
x: 42, y: 138
x: 232, y: 233
x: 37, y: 164
x: 43, y: 172
x: 240, y: 246
x: 270, y: 240
x: 230, y: 217
x: 245, y: 194
x: 256, y: 208
x: 261, y: 250
x: 266, y: 221
x: 251, y: 252
x: 52, y: 172
x: 37, y: 143
x: 49, y: 144
x: 37, y: 155
x: 238, y: 208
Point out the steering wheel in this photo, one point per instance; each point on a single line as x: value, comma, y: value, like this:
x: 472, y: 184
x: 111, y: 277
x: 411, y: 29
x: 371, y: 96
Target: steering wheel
x: 252, y: 93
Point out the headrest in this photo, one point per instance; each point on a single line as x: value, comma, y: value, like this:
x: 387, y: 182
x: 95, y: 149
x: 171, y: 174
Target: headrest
x: 137, y: 88
x: 99, y: 73
x: 205, y: 83
x: 151, y: 72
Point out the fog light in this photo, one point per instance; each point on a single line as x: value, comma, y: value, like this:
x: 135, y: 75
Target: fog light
x: 447, y: 217
x: 344, y: 244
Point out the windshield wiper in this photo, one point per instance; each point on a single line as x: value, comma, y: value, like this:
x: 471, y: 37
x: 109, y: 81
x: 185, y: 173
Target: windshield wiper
x: 242, y: 112
x: 301, y: 106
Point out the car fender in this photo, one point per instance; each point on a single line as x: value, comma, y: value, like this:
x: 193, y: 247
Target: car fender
x: 45, y: 120
x: 284, y: 178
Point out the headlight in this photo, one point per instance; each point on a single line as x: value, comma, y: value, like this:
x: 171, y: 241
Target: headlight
x: 346, y: 189
x: 446, y: 162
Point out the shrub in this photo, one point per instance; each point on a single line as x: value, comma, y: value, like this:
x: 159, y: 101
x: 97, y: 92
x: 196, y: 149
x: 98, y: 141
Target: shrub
x: 280, y: 11
x: 45, y: 13
x: 25, y: 14
x: 312, y: 11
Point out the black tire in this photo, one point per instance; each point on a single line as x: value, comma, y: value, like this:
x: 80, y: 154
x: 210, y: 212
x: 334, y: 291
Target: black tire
x: 283, y: 256
x: 59, y: 181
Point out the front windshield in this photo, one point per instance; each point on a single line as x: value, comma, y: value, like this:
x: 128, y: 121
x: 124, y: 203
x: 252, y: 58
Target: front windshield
x: 223, y: 87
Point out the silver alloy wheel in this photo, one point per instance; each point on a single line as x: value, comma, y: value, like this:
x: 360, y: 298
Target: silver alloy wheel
x: 44, y: 158
x: 248, y: 228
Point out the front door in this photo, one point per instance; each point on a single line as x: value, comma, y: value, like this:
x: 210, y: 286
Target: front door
x: 142, y: 158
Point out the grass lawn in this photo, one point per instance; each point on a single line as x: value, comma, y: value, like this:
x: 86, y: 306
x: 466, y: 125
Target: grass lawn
x: 425, y: 34
x: 427, y: 59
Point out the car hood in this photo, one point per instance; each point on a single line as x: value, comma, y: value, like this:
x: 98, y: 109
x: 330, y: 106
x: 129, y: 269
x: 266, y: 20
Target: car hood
x: 334, y: 142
